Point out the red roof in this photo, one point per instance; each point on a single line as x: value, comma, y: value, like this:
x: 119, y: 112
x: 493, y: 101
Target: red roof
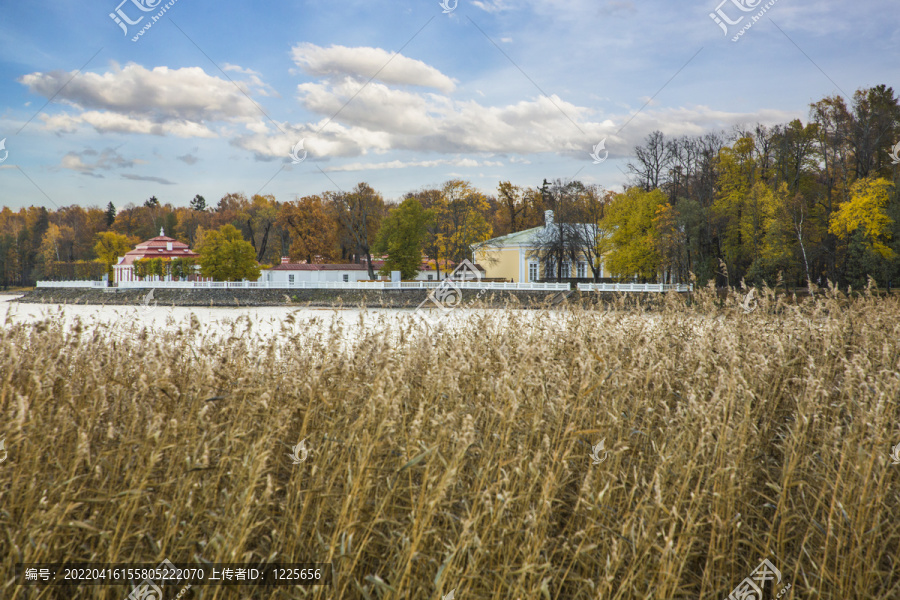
x: 158, y: 247
x: 376, y: 264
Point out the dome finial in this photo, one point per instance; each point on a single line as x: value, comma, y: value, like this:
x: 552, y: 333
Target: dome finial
x: 162, y: 232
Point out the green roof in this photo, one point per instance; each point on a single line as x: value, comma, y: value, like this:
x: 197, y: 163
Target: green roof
x: 519, y: 238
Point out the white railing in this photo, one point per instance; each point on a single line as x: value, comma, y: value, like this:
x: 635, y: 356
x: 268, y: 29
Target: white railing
x: 374, y: 285
x: 342, y: 285
x: 71, y: 284
x: 635, y: 287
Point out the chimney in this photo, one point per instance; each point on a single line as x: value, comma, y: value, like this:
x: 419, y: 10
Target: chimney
x: 285, y: 260
x: 548, y: 218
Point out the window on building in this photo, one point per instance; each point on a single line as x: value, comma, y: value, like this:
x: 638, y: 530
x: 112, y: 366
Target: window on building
x: 346, y: 277
x: 429, y: 278
x: 533, y: 271
x: 582, y: 269
x: 290, y: 279
x: 564, y: 273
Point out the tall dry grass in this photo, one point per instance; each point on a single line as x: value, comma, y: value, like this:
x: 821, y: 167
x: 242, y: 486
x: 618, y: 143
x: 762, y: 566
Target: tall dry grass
x: 461, y: 459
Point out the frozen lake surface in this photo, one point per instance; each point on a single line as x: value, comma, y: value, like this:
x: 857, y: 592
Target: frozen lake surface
x: 268, y: 325
x: 261, y: 322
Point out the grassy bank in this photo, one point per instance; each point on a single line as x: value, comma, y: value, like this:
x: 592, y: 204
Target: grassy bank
x: 461, y: 459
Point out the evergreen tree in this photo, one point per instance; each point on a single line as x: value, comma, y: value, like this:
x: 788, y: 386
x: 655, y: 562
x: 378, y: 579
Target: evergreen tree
x: 110, y: 214
x: 198, y: 203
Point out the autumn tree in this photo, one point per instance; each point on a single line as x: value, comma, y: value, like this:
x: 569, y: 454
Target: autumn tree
x: 865, y: 225
x: 312, y: 228
x: 431, y: 200
x: 110, y: 246
x: 50, y: 244
x: 359, y: 215
x: 669, y: 241
x: 226, y: 256
x: 189, y: 222
x: 634, y: 248
x: 460, y: 217
x: 259, y: 218
x: 401, y: 237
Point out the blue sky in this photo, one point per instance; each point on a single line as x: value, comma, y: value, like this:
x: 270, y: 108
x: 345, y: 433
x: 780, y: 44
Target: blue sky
x: 212, y: 98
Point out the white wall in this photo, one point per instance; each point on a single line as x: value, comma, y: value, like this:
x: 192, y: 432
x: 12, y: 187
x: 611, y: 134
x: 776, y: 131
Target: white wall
x: 279, y: 276
x: 423, y: 275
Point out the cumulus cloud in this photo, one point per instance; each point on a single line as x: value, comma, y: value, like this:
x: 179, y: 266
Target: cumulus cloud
x: 187, y: 94
x: 158, y: 101
x: 341, y: 62
x: 392, y: 112
x: 381, y: 119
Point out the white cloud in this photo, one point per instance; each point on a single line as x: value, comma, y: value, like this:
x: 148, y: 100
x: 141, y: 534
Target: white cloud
x: 377, y: 117
x: 363, y: 63
x: 134, y: 99
x: 239, y: 69
x: 376, y: 106
x: 112, y: 122
x: 380, y: 118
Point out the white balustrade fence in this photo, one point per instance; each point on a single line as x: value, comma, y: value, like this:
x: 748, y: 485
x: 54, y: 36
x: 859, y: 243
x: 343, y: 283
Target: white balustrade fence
x: 374, y: 285
x: 635, y: 287
x: 71, y: 284
x: 343, y: 285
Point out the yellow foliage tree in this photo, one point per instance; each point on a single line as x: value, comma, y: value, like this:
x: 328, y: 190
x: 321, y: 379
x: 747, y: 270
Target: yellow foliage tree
x: 865, y: 210
x: 110, y: 246
x: 460, y: 219
x: 630, y: 216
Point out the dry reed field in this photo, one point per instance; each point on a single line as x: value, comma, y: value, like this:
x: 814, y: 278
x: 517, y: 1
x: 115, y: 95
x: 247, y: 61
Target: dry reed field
x: 467, y: 459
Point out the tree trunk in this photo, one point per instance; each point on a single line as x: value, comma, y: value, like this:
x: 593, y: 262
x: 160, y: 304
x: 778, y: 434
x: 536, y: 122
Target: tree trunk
x: 369, y: 264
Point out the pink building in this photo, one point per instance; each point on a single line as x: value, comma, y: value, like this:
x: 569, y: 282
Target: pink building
x: 158, y: 247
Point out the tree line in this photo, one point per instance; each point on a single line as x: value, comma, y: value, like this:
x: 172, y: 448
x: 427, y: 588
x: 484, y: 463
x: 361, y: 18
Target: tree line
x: 79, y: 243
x: 799, y: 202
x: 792, y: 203
x: 795, y: 202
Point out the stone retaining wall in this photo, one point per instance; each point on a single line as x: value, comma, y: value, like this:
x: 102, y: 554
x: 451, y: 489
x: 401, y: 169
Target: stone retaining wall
x: 306, y: 297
